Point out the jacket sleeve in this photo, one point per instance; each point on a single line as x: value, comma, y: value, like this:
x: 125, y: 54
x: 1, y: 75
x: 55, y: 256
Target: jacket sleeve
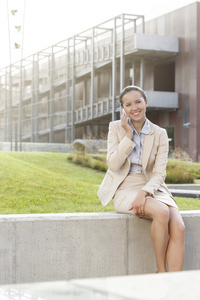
x: 118, y: 151
x: 158, y: 175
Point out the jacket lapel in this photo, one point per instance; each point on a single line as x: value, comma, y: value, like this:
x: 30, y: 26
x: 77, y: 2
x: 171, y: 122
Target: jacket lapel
x: 148, y: 144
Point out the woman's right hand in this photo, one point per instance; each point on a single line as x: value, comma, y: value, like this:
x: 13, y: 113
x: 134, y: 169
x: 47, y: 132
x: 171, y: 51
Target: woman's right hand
x: 126, y: 126
x: 138, y: 204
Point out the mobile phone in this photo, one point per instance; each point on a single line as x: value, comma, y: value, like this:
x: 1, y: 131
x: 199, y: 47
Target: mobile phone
x: 123, y: 111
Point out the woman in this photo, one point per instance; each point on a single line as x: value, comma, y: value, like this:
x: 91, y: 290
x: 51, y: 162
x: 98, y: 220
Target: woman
x: 137, y: 159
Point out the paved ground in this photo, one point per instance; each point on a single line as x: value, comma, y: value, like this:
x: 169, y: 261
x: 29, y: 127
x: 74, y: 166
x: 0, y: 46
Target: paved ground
x: 168, y: 286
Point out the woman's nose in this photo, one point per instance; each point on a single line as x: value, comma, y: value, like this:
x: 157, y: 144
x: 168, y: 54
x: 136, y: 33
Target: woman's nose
x: 134, y: 107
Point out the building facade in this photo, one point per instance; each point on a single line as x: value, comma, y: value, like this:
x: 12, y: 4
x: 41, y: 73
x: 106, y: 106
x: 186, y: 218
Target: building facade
x: 71, y: 89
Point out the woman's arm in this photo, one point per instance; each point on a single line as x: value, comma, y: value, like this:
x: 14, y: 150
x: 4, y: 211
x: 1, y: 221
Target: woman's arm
x: 118, y: 151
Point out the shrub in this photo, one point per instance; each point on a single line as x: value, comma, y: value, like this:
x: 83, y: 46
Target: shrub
x: 195, y: 171
x: 179, y: 172
x: 180, y: 154
x: 78, y: 159
x: 179, y: 176
x: 99, y: 165
x: 70, y: 157
x: 101, y: 157
x: 88, y: 161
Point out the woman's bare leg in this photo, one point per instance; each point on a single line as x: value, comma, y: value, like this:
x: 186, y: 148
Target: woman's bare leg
x: 175, y: 250
x: 159, y: 213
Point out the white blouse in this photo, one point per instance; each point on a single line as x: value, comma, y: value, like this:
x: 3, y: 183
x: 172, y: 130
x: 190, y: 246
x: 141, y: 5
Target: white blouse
x: 136, y: 153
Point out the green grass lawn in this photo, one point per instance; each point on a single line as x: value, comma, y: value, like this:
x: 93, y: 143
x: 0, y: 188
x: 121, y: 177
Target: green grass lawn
x: 49, y: 183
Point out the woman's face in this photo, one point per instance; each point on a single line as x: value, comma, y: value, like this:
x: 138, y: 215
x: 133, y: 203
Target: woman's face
x: 135, y: 106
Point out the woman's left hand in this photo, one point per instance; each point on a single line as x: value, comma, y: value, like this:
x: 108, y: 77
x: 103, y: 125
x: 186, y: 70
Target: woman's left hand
x: 139, y: 203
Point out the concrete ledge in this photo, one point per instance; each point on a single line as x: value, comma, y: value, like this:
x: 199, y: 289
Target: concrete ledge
x: 38, y: 147
x: 186, y: 194
x: 51, y: 247
x: 188, y: 187
x: 185, y: 190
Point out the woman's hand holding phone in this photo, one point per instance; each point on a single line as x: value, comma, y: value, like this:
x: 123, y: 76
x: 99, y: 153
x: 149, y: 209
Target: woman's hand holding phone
x: 126, y: 126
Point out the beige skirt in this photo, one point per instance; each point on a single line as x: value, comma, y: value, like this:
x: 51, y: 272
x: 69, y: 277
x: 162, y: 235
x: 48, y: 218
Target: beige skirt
x: 127, y: 191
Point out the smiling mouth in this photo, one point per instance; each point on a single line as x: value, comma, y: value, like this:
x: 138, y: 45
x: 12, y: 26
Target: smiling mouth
x: 136, y: 113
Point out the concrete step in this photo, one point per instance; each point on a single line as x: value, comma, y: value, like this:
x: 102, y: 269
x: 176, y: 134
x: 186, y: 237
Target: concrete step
x: 185, y: 193
x: 185, y: 190
x: 184, y: 187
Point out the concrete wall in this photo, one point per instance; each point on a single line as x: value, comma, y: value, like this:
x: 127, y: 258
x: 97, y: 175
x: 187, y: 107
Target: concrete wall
x: 38, y: 147
x: 51, y: 247
x: 183, y: 23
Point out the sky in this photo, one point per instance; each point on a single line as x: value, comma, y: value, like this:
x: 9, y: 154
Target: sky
x: 48, y: 22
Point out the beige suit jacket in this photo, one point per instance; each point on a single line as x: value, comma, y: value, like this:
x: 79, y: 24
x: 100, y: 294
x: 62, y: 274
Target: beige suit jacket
x: 154, y: 160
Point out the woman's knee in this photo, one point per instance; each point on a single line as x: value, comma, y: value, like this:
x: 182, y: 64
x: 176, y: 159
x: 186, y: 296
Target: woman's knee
x: 177, y: 230
x: 163, y: 215
x: 176, y: 225
x: 157, y: 211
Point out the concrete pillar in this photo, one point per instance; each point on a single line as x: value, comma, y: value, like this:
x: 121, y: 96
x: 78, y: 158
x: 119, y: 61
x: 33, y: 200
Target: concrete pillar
x: 20, y: 106
x: 166, y: 119
x: 134, y: 72
x: 122, y: 58
x: 142, y: 73
x: 34, y: 99
x: 143, y: 25
x: 10, y: 106
x: 67, y: 133
x: 84, y: 92
x: 92, y: 73
x: 73, y: 92
x: 114, y: 69
x: 6, y: 109
x: 37, y: 78
x: 51, y: 110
